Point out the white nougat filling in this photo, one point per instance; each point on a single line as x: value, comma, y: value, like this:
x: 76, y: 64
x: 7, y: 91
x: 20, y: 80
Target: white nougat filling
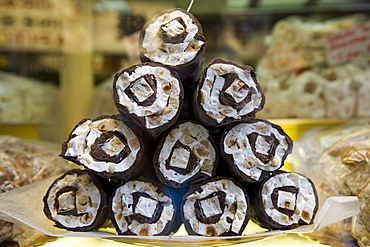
x: 304, y: 204
x: 67, y: 201
x: 286, y: 200
x: 173, y: 28
x: 211, y: 206
x: 122, y: 207
x: 195, y: 137
x: 146, y: 206
x: 167, y: 101
x: 139, y: 92
x: 236, y: 91
x: 113, y: 146
x: 234, y: 196
x: 85, y: 135
x: 85, y: 189
x: 180, y: 158
x: 171, y: 53
x: 213, y: 84
x: 262, y: 146
x: 244, y: 158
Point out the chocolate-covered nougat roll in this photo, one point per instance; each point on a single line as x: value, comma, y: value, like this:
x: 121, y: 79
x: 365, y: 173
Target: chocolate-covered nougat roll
x: 139, y: 207
x: 227, y: 92
x: 284, y: 201
x: 75, y: 201
x: 255, y: 148
x: 186, y: 154
x: 106, y: 146
x: 174, y: 37
x: 150, y: 94
x: 216, y: 207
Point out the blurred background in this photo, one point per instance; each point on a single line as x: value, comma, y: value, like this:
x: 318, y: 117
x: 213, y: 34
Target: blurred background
x: 57, y: 58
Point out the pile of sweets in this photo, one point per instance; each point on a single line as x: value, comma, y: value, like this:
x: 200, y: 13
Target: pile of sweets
x: 301, y: 80
x: 185, y: 148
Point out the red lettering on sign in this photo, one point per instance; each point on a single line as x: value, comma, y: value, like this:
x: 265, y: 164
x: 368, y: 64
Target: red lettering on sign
x: 348, y: 44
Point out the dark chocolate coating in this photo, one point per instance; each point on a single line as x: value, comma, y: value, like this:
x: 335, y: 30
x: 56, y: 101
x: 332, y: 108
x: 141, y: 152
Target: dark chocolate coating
x: 102, y: 211
x: 191, y: 163
x: 171, y: 227
x: 140, y: 120
x: 189, y: 72
x: 221, y: 195
x: 259, y: 215
x: 229, y: 160
x: 224, y: 98
x: 99, y: 155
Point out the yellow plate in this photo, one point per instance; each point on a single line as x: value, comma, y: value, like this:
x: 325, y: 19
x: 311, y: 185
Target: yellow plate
x: 30, y: 131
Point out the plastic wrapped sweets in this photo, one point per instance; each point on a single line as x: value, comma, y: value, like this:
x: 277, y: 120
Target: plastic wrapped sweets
x: 338, y: 163
x: 24, y: 162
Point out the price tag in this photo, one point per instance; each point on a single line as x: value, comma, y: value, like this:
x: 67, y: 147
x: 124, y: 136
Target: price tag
x: 348, y: 44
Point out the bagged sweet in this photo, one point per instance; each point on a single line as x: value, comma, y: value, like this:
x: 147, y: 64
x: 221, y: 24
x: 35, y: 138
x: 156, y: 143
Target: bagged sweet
x: 337, y: 161
x: 22, y: 162
x: 32, y: 101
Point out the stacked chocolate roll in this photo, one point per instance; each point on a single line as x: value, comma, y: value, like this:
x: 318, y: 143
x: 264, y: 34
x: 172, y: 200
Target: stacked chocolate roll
x: 186, y: 147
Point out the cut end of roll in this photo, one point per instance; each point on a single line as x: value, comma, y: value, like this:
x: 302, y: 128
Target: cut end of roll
x: 216, y: 207
x: 106, y: 146
x: 140, y: 208
x: 75, y: 201
x: 227, y: 93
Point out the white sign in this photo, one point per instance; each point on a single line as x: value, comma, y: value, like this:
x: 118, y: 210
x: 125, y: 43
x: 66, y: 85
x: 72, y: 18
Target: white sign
x: 348, y: 44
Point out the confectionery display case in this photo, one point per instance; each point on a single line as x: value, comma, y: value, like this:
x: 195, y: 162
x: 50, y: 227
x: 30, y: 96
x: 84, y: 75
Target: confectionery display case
x: 198, y: 122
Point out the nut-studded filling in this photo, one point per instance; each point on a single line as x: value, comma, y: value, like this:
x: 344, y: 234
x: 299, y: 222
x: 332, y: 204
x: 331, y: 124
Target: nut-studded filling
x: 74, y: 200
x: 111, y: 146
x: 210, y: 209
x: 217, y: 208
x: 140, y: 208
x: 289, y: 198
x: 229, y: 92
x: 143, y: 90
x: 256, y: 146
x: 103, y: 145
x: 186, y: 152
x: 172, y: 39
x: 151, y: 93
x: 173, y: 31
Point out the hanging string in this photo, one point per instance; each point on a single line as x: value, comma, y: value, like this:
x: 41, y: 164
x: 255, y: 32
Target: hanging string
x: 190, y: 5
